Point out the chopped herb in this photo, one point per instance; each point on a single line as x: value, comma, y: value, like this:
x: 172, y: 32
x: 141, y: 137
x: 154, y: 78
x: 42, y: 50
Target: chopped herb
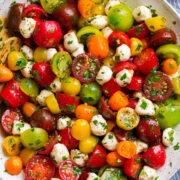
x: 21, y: 62
x: 138, y: 160
x: 163, y: 19
x: 102, y: 157
x: 152, y: 27
x: 104, y: 125
x: 176, y: 147
x: 76, y: 157
x: 154, y: 13
x: 139, y: 13
x: 117, y: 58
x: 77, y: 171
x: 170, y: 164
x: 174, y: 22
x: 152, y: 128
x: 153, y: 71
x: 95, y: 122
x: 36, y: 75
x: 32, y: 129
x: 11, y: 42
x: 171, y: 66
x: 143, y: 105
x: 11, y: 140
x: 138, y: 31
x: 154, y: 93
x: 53, y: 158
x: 156, y: 178
x: 64, y: 158
x: 74, y: 19
x: 13, y: 3
x: 87, y: 74
x: 138, y: 47
x: 58, y: 138
x: 168, y: 29
x: 106, y: 91
x: 110, y: 136
x: 70, y: 42
x: 124, y: 76
x: 76, y: 98
x: 51, y: 31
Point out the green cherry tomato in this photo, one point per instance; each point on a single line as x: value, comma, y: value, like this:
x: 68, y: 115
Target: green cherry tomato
x: 120, y: 17
x: 29, y: 87
x: 34, y: 138
x: 60, y: 64
x: 168, y: 116
x: 90, y: 93
x: 171, y: 101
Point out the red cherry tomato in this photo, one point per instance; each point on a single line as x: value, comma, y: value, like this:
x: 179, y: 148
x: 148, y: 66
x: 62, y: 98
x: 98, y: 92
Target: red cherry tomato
x: 68, y: 170
x: 148, y: 130
x: 110, y: 87
x: 47, y: 34
x: 67, y: 139
x: 118, y: 38
x: 34, y: 11
x: 84, y: 175
x: 60, y: 47
x: 133, y: 166
x: 98, y: 157
x: 42, y: 73
x: 40, y: 167
x: 132, y: 103
x: 8, y: 118
x: 140, y: 31
x: 135, y: 84
x: 13, y: 94
x: 146, y: 60
x: 67, y: 103
x: 105, y: 110
x: 28, y: 41
x: 155, y: 156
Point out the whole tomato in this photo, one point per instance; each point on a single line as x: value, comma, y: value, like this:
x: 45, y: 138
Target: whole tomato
x: 47, y: 34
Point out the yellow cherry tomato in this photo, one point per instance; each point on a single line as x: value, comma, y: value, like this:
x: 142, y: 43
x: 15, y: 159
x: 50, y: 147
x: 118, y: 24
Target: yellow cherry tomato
x: 156, y: 23
x: 176, y: 85
x: 16, y: 61
x: 26, y: 154
x: 12, y: 145
x: 81, y: 129
x: 109, y: 61
x: 127, y: 118
x: 71, y: 86
x: 99, y: 9
x: 96, y: 1
x: 52, y: 104
x: 40, y: 54
x: 136, y: 46
x: 88, y: 145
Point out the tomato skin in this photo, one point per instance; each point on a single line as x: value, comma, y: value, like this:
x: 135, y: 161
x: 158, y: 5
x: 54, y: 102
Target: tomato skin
x: 84, y: 175
x: 28, y: 41
x: 155, y: 156
x: 132, y: 103
x: 139, y: 31
x: 67, y: 139
x: 133, y: 166
x: 98, y: 157
x: 118, y: 38
x: 136, y: 84
x: 110, y: 87
x: 13, y: 94
x: 42, y: 73
x: 146, y: 60
x: 47, y: 34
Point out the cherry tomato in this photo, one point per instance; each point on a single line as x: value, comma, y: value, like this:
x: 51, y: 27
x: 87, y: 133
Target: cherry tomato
x: 146, y: 60
x: 170, y: 66
x: 98, y: 157
x: 43, y: 118
x: 132, y: 103
x: 5, y: 74
x: 118, y: 38
x: 148, y: 130
x: 42, y: 73
x: 133, y: 166
x: 135, y: 84
x: 8, y: 118
x: 69, y: 171
x: 136, y: 46
x: 139, y: 31
x: 47, y: 34
x: 110, y: 87
x: 34, y: 11
x: 157, y: 86
x: 40, y: 167
x: 155, y: 156
x: 13, y: 94
x: 67, y: 139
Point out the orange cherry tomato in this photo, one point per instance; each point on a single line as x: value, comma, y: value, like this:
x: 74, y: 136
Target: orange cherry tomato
x: 98, y: 46
x: 114, y: 159
x: 126, y: 149
x: 86, y: 112
x: 14, y: 165
x: 5, y: 74
x: 110, y: 125
x: 29, y: 109
x: 170, y: 66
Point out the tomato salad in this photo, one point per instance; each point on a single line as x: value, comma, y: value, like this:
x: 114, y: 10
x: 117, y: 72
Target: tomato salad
x: 90, y: 90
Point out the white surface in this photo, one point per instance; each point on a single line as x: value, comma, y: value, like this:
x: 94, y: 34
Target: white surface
x: 172, y: 156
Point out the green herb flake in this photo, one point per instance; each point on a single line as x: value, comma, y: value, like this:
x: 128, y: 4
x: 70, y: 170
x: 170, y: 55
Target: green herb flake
x: 143, y: 105
x: 176, y: 147
x: 21, y: 62
x: 138, y: 47
x: 11, y: 140
x: 124, y: 76
x: 13, y: 3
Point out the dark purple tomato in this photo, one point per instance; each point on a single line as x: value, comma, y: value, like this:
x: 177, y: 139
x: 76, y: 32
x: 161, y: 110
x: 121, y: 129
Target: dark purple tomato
x: 67, y: 16
x: 43, y: 118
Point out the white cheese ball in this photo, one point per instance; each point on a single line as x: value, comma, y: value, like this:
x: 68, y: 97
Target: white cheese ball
x: 71, y: 42
x: 124, y: 77
x: 104, y: 75
x: 107, y: 32
x: 79, y: 50
x: 147, y: 173
x: 98, y: 125
x: 110, y: 4
x: 19, y: 127
x: 64, y: 122
x: 50, y: 53
x: 110, y: 142
x: 27, y: 52
x: 78, y: 158
x: 123, y: 53
x: 99, y: 21
x: 145, y: 107
x: 41, y: 98
x: 142, y: 13
x: 168, y: 136
x: 93, y: 176
x: 59, y: 153
x: 56, y: 85
x: 27, y: 26
x: 141, y: 146
x: 27, y: 70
